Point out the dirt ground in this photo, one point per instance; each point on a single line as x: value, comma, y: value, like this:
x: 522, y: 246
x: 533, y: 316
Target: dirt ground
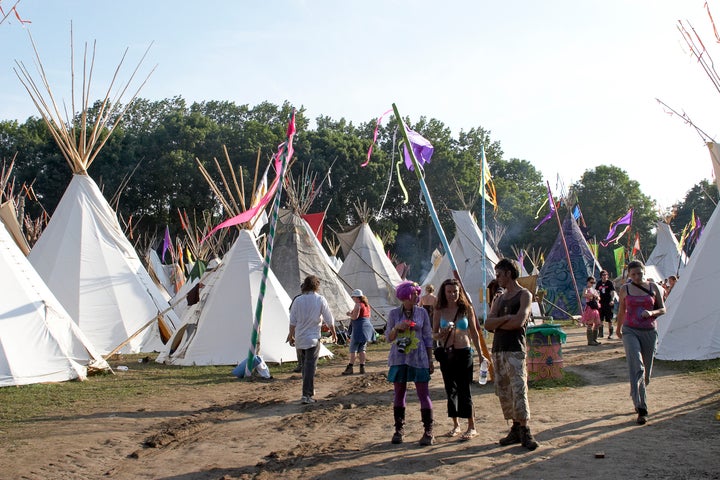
x: 259, y: 430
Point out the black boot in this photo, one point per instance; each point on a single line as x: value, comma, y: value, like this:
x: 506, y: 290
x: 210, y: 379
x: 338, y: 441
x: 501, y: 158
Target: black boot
x: 348, y: 370
x: 427, y: 420
x: 512, y: 437
x: 600, y: 330
x: 595, y: 337
x: 526, y: 438
x: 589, y: 335
x: 362, y: 369
x: 399, y: 413
x: 610, y: 331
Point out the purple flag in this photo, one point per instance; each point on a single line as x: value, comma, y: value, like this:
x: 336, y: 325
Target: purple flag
x: 421, y: 147
x: 625, y: 220
x: 550, y: 214
x: 167, y: 243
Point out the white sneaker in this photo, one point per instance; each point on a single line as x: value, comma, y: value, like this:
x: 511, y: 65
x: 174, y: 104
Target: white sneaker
x: 307, y: 400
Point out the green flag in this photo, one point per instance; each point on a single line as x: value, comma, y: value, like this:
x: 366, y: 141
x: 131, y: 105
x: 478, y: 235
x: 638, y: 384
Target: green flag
x: 619, y: 259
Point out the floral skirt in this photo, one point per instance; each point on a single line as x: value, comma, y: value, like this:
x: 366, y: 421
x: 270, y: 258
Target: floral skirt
x: 591, y: 317
x: 406, y: 373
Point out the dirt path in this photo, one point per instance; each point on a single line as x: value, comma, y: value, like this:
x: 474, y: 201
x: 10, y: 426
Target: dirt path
x: 260, y: 430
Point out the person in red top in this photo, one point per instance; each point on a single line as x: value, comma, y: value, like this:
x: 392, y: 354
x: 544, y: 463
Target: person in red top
x: 362, y: 331
x: 641, y: 302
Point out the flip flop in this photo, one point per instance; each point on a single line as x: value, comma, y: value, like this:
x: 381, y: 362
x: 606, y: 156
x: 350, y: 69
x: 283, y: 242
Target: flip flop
x: 469, y: 434
x: 454, y: 432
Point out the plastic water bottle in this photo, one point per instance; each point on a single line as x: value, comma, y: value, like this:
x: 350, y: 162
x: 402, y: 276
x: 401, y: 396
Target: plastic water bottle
x: 483, y: 372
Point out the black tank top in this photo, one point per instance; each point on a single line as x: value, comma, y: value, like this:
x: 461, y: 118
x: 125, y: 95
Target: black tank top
x: 509, y: 340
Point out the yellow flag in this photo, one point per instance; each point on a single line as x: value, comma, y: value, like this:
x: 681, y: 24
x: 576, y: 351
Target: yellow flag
x: 487, y: 189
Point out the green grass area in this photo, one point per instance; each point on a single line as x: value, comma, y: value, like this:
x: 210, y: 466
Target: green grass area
x: 706, y: 369
x: 568, y: 380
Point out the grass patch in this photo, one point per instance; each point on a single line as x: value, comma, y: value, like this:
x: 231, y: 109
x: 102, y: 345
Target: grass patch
x: 568, y: 380
x: 706, y: 369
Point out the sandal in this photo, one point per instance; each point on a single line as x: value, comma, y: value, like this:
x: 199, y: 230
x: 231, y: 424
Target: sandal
x: 454, y: 432
x: 472, y: 433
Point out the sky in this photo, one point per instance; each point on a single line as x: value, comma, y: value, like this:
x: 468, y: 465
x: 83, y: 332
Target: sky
x: 567, y: 85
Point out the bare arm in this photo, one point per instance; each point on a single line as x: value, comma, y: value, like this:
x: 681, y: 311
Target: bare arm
x: 621, y: 312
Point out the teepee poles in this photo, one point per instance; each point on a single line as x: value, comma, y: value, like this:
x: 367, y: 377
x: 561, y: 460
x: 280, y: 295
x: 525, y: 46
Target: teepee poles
x: 567, y: 252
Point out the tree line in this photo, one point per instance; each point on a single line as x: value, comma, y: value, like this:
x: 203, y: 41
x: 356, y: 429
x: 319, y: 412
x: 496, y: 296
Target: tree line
x: 148, y: 171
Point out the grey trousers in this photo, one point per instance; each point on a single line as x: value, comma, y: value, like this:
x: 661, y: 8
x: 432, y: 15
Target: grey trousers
x: 308, y: 359
x: 640, y: 348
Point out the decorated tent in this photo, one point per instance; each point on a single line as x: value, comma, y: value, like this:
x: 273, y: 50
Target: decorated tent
x: 83, y: 254
x: 368, y: 268
x: 561, y: 298
x: 297, y: 254
x: 39, y: 342
x: 690, y: 330
x: 217, y: 330
x: 666, y: 257
x: 467, y: 248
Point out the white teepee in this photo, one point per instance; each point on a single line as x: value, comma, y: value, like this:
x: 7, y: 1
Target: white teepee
x: 217, y: 330
x: 83, y: 255
x: 39, y: 342
x: 91, y: 267
x: 368, y: 268
x: 467, y: 249
x: 666, y: 257
x: 690, y: 330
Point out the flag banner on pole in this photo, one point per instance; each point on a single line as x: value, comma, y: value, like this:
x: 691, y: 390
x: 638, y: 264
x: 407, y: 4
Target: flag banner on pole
x: 550, y: 214
x: 487, y: 187
x: 421, y: 147
x: 624, y: 220
x: 167, y: 244
x: 636, y: 245
x: 619, y: 259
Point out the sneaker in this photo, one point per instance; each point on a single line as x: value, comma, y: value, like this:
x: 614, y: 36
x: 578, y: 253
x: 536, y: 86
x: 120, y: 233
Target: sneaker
x: 641, y: 419
x: 307, y: 400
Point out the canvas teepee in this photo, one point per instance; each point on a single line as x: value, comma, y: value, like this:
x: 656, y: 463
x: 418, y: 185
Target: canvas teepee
x: 555, y: 277
x: 217, y: 330
x: 467, y: 248
x: 690, y: 330
x: 39, y: 342
x: 368, y: 268
x: 83, y: 254
x: 666, y: 257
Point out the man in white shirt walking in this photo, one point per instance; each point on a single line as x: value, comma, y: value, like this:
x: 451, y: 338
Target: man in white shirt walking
x: 307, y: 314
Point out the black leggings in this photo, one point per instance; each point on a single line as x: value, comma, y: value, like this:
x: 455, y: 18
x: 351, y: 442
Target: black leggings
x: 457, y: 372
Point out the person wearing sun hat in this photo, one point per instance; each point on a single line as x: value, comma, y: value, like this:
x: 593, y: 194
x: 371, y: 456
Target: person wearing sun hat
x: 362, y: 331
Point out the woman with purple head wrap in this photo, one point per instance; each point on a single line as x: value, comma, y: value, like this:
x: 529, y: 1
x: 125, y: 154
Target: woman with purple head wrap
x: 409, y: 331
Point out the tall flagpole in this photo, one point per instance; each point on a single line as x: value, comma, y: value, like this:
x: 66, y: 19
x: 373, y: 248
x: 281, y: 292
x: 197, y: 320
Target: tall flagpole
x: 285, y: 155
x: 484, y: 242
x: 428, y: 199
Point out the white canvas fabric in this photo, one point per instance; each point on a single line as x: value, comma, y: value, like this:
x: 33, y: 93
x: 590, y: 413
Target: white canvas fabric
x: 8, y: 216
x: 94, y: 271
x: 218, y: 329
x: 715, y: 158
x: 666, y: 256
x: 690, y: 330
x: 159, y: 274
x: 467, y: 248
x: 297, y: 253
x: 367, y: 268
x: 39, y: 342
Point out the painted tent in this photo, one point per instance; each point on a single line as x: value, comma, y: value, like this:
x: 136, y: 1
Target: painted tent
x: 368, y: 268
x: 297, y: 254
x: 555, y: 277
x: 91, y: 267
x: 39, y: 342
x: 217, y: 330
x: 467, y: 248
x: 666, y: 257
x: 690, y: 330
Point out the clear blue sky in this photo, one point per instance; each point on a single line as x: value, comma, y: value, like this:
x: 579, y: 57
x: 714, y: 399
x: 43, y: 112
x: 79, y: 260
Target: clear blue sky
x: 565, y: 84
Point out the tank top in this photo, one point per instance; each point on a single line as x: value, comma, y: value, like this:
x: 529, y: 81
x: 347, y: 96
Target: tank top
x: 634, y: 306
x: 364, y: 311
x: 509, y: 340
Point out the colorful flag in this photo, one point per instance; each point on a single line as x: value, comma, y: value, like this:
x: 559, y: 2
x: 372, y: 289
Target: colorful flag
x: 421, y: 147
x: 261, y: 218
x: 624, y: 220
x: 167, y: 245
x: 619, y: 259
x: 576, y: 212
x: 550, y: 214
x: 636, y: 245
x: 487, y: 187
